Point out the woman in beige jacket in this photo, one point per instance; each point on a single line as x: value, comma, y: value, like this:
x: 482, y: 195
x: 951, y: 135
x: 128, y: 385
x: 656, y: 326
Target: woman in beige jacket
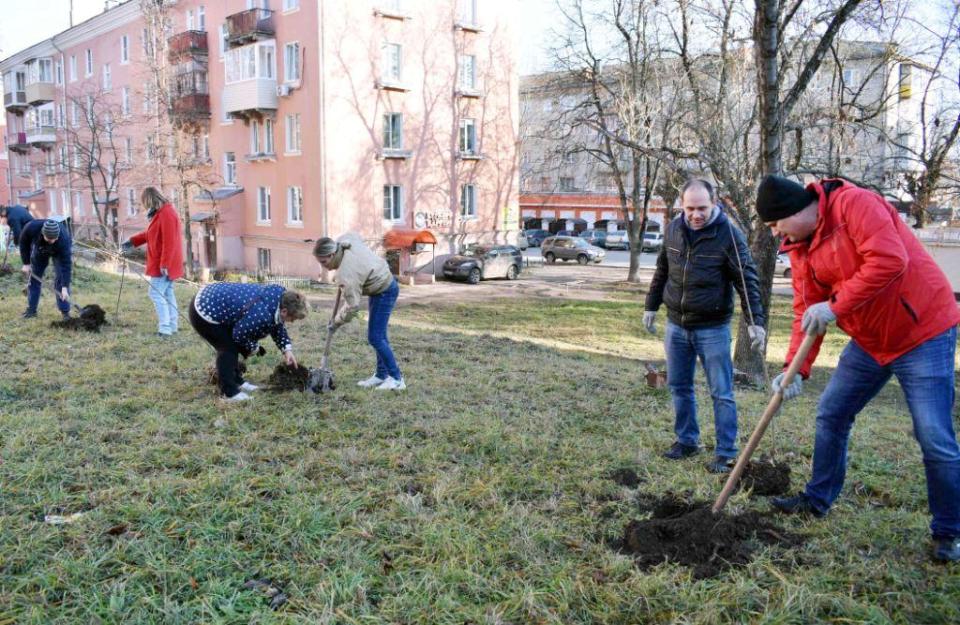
x: 361, y: 272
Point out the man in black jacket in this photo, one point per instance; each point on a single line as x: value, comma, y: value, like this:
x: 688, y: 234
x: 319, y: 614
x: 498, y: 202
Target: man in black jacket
x: 703, y: 259
x: 16, y: 217
x: 41, y: 241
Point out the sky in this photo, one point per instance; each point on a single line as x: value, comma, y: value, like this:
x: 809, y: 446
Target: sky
x: 20, y: 26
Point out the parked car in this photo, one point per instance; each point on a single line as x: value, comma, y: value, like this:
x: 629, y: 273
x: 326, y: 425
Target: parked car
x: 522, y: 241
x: 617, y: 240
x: 484, y: 262
x: 535, y: 236
x: 595, y: 237
x: 571, y: 248
x: 652, y: 242
x: 567, y: 233
x: 783, y: 266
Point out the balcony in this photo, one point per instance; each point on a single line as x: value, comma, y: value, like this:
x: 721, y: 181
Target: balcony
x: 15, y: 102
x: 255, y: 98
x: 17, y: 142
x: 42, y: 136
x: 249, y: 26
x: 187, y: 108
x: 186, y: 45
x: 41, y: 93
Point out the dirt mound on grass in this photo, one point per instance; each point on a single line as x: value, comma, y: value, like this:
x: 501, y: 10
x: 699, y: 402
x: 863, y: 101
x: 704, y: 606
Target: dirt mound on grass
x: 286, y: 378
x: 766, y: 478
x: 5, y: 270
x: 688, y: 533
x: 214, y: 379
x: 91, y: 319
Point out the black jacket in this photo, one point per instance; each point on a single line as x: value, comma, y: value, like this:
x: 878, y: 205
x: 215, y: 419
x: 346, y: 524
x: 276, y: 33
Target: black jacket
x: 17, y: 217
x: 696, y: 281
x: 33, y: 246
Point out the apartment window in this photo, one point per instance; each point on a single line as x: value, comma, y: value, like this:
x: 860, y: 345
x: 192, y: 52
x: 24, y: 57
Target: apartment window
x: 291, y: 62
x: 223, y: 40
x: 251, y: 61
x: 88, y: 56
x: 124, y: 49
x: 293, y: 133
x: 392, y: 202
x: 190, y: 19
x: 37, y: 182
x: 393, y: 131
x: 125, y: 101
x: 63, y: 157
x: 73, y: 67
x: 294, y: 205
x: 468, y: 136
x: 77, y: 204
x: 254, y: 137
x: 263, y: 205
x: 263, y: 259
x: 468, y: 200
x: 392, y: 62
x: 230, y: 168
x: 468, y: 71
x: 289, y: 5
x: 147, y: 41
x: 77, y: 156
x: 205, y: 144
x: 906, y: 81
x: 107, y: 78
x: 201, y: 18
x: 88, y: 114
x: 268, y: 136
x: 131, y: 203
x: 467, y: 11
x: 53, y: 202
x: 61, y: 115
x: 566, y: 183
x: 44, y: 70
x: 128, y: 149
x: 58, y: 72
x: 151, y: 149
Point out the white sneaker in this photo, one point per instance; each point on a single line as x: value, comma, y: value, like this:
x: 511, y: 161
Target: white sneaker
x: 370, y: 382
x: 391, y: 384
x: 241, y: 396
x: 249, y: 388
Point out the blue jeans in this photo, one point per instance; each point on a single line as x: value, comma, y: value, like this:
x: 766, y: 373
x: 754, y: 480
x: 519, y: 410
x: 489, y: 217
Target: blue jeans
x: 712, y: 346
x: 164, y: 300
x: 380, y: 307
x: 926, y: 376
x: 38, y: 265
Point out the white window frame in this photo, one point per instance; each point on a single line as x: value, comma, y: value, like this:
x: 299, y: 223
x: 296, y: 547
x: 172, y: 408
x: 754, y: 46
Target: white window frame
x: 468, y: 201
x: 294, y: 206
x: 58, y: 73
x: 391, y: 69
x: 77, y: 204
x: 467, y: 12
x: 88, y: 63
x: 255, y: 137
x: 201, y: 19
x: 189, y: 19
x: 251, y: 62
x: 293, y: 138
x: 223, y: 41
x: 392, y: 131
x: 73, y: 68
x: 392, y: 203
x: 263, y: 206
x: 107, y: 78
x: 289, y: 6
x: 128, y: 149
x: 131, y: 202
x: 230, y: 168
x: 468, y: 137
x: 269, y: 145
x: 467, y: 72
x: 125, y: 101
x: 124, y: 49
x: 291, y: 61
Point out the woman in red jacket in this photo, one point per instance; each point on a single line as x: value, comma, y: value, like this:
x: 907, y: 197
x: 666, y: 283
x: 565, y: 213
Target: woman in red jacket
x: 164, y: 240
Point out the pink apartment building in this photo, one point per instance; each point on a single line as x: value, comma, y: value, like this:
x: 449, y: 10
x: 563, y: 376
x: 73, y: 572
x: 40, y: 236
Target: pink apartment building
x: 273, y: 124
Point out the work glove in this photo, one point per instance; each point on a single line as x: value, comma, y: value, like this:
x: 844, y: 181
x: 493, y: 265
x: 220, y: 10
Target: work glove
x: 816, y: 319
x: 165, y: 272
x: 649, y: 317
x: 791, y: 391
x: 65, y: 294
x: 126, y: 247
x: 758, y: 337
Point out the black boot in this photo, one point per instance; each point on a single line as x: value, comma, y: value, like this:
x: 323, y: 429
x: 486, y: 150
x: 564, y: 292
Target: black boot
x: 719, y: 464
x: 29, y: 314
x: 946, y: 549
x: 678, y: 450
x: 798, y: 504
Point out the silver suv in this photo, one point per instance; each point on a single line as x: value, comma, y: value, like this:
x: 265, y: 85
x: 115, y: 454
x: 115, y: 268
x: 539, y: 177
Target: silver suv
x: 570, y: 248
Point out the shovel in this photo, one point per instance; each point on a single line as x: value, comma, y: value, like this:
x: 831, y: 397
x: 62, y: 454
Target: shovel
x: 55, y: 292
x: 324, y: 382
x: 758, y: 431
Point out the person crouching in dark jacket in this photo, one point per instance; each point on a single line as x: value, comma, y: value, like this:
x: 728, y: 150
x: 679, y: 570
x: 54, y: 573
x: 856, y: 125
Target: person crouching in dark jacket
x: 703, y: 259
x: 16, y: 217
x: 232, y: 317
x: 40, y: 241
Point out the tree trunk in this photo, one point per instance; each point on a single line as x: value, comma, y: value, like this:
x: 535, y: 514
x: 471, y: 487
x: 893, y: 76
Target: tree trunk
x: 764, y: 251
x: 187, y: 234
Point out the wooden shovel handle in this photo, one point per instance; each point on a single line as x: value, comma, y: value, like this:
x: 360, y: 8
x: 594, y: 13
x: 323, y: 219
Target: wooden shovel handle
x: 333, y: 315
x: 772, y: 407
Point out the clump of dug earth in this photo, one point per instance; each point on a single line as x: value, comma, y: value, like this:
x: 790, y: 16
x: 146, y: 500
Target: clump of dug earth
x: 91, y: 319
x: 689, y: 534
x: 766, y: 478
x: 214, y: 379
x: 286, y: 378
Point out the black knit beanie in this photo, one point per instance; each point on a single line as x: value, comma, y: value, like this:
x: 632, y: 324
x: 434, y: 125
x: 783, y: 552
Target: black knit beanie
x: 51, y: 229
x: 778, y: 198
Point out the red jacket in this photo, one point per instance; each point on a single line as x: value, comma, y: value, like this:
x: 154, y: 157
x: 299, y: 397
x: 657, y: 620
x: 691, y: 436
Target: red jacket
x: 164, y: 241
x: 887, y: 292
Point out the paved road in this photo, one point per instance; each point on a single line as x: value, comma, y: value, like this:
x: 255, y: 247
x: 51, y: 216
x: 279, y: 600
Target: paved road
x: 614, y: 258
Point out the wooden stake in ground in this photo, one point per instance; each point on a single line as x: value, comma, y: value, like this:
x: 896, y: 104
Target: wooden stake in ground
x: 772, y: 407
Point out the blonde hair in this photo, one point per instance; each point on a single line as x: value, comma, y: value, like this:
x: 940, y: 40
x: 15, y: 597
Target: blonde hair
x: 152, y: 199
x: 295, y: 304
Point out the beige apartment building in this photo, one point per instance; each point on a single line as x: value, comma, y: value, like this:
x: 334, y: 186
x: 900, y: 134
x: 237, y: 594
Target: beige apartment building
x: 274, y: 122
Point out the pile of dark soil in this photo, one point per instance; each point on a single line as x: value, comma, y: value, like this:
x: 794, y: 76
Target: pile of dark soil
x: 286, y: 378
x: 766, y: 478
x: 624, y: 476
x: 214, y: 379
x: 5, y: 270
x: 689, y: 534
x: 91, y: 319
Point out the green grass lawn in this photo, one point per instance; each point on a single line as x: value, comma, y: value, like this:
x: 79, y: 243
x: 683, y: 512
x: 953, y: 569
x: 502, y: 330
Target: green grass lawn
x: 477, y: 496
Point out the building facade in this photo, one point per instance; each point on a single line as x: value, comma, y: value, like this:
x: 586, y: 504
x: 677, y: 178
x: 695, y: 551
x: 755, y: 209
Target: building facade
x: 273, y: 123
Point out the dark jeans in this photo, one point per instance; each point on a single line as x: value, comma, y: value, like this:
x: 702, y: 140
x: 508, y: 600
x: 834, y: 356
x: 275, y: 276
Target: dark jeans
x: 38, y: 265
x: 712, y: 346
x: 228, y: 355
x: 926, y: 376
x: 380, y: 307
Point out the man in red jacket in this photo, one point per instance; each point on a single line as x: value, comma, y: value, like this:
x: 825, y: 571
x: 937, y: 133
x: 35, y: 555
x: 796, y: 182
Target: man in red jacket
x: 855, y: 262
x: 164, y: 241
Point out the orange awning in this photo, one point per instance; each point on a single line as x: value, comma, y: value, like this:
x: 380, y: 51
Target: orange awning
x: 398, y: 239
